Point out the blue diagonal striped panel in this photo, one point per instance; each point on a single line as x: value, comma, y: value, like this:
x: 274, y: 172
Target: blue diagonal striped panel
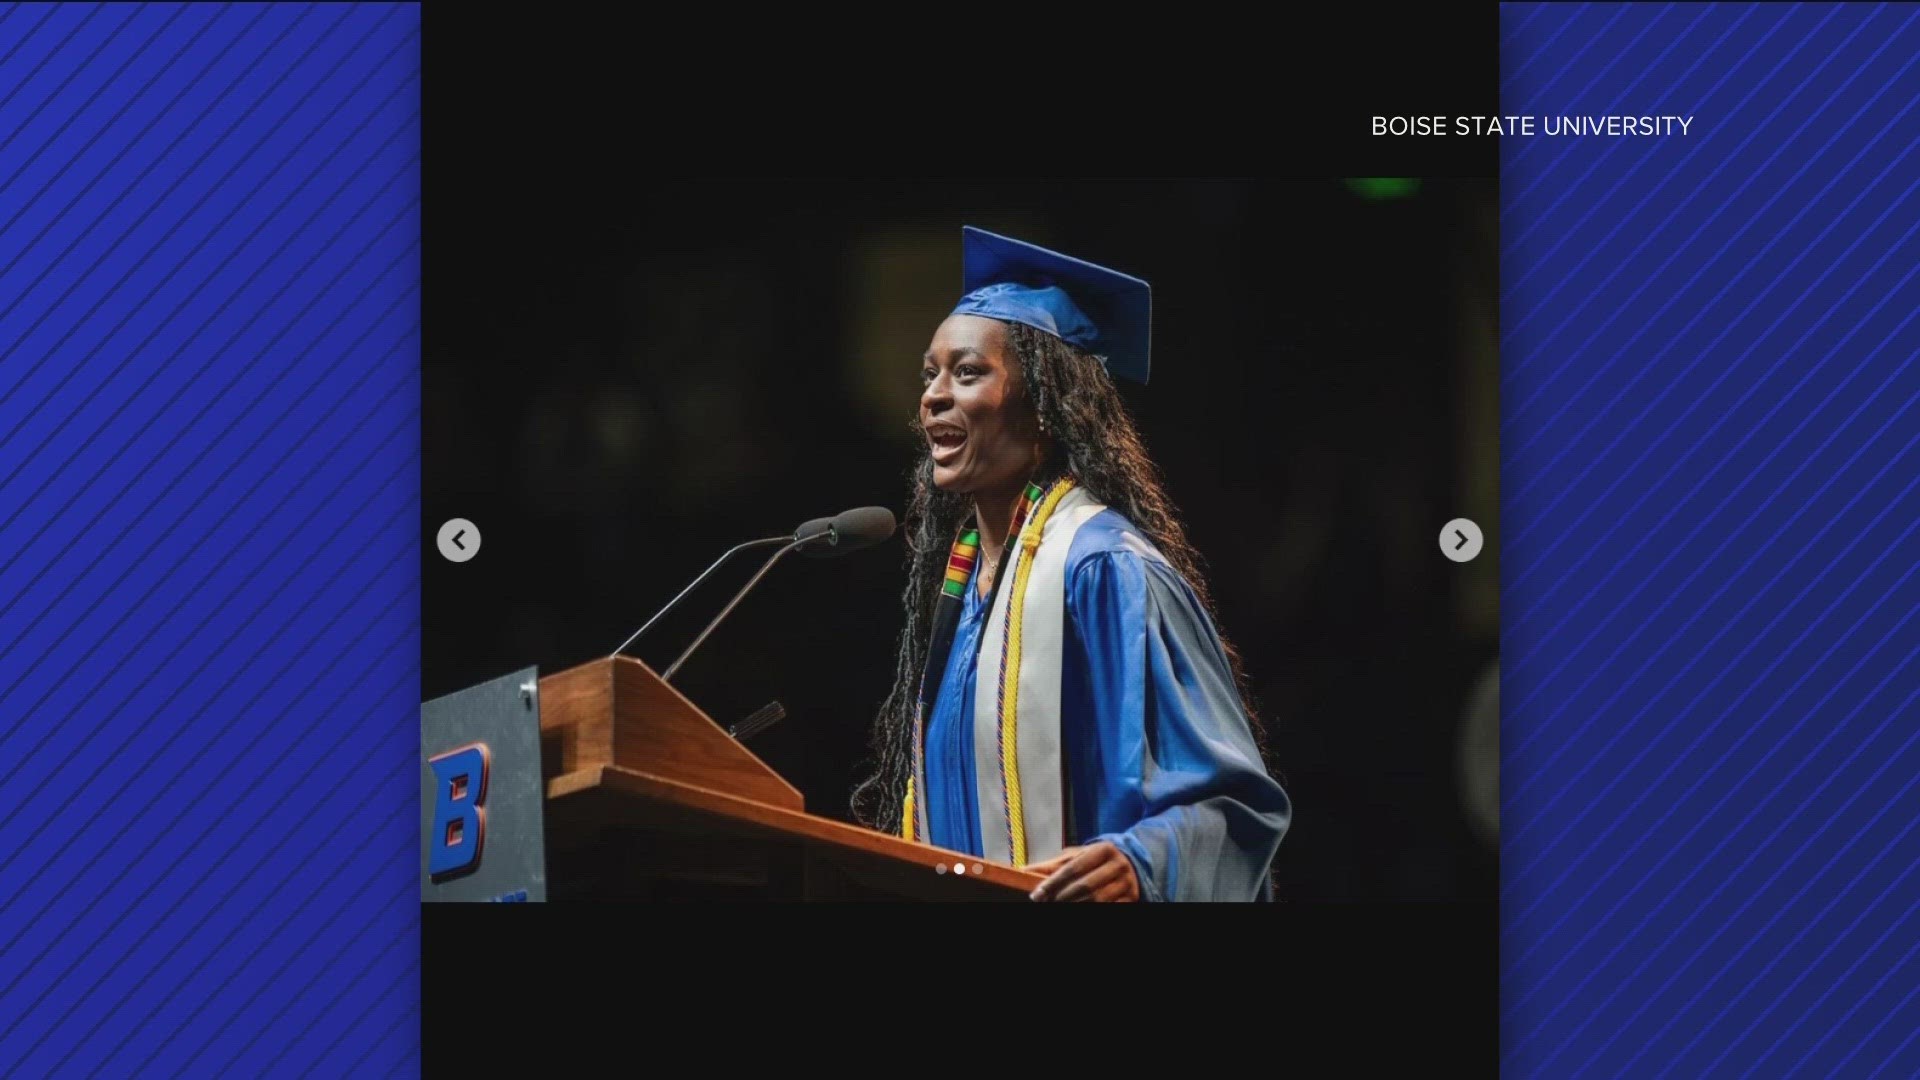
x: 1711, y: 544
x: 209, y: 539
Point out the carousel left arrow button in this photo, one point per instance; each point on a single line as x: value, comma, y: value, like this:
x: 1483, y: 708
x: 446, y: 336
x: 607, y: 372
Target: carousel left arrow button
x: 459, y: 540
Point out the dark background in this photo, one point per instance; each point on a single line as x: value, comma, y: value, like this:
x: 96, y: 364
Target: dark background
x: 635, y: 383
x: 628, y: 368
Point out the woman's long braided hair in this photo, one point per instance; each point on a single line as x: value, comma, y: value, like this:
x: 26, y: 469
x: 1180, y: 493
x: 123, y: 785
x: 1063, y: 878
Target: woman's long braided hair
x: 1096, y: 441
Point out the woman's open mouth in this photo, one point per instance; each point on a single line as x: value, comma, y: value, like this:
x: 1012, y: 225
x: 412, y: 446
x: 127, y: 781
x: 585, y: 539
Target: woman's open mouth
x: 946, y: 443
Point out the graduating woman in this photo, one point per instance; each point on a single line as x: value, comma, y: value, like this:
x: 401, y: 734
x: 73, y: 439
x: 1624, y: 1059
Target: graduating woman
x: 1062, y: 700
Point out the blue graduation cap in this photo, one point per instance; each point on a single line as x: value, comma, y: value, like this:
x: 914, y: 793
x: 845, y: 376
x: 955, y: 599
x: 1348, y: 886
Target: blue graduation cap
x: 1092, y: 308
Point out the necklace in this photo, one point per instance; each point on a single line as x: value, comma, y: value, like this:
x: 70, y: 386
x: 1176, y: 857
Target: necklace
x: 992, y: 567
x: 1028, y: 498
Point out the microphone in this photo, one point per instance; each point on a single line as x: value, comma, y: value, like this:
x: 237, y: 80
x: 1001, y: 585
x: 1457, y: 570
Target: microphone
x: 847, y: 532
x: 763, y: 718
x: 820, y: 537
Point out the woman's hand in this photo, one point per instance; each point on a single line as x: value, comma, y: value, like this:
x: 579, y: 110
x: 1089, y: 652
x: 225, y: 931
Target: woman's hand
x: 1098, y: 872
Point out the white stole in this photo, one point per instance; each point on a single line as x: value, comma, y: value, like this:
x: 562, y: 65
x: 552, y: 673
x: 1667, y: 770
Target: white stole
x: 1034, y: 775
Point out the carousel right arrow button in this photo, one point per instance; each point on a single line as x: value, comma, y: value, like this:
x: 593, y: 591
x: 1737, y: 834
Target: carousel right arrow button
x: 1460, y: 540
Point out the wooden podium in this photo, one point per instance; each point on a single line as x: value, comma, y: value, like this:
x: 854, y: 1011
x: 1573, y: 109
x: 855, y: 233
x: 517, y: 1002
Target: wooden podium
x: 648, y: 799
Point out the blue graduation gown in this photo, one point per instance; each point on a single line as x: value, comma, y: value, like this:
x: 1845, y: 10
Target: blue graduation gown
x: 1160, y: 759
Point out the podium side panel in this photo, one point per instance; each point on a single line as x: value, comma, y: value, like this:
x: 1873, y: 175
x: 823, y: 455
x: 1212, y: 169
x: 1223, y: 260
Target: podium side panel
x: 485, y: 741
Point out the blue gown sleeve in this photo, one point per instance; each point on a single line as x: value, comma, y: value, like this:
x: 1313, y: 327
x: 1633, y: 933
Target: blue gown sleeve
x: 1165, y: 763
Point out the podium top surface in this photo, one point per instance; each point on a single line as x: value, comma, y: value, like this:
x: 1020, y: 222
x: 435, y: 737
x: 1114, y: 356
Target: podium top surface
x: 615, y: 735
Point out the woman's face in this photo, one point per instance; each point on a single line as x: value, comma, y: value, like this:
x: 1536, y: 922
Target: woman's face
x: 978, y: 424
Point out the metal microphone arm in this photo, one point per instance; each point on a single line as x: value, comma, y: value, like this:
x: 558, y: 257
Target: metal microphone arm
x: 667, y: 676
x: 696, y: 582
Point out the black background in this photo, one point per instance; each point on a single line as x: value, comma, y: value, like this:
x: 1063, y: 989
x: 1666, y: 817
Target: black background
x: 631, y: 365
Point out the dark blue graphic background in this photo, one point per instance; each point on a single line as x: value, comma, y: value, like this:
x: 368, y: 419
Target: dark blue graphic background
x: 1708, y: 448
x: 209, y: 490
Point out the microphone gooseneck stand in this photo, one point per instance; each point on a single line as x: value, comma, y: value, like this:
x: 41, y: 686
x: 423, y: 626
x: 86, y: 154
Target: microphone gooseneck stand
x: 730, y: 553
x: 846, y: 532
x: 667, y: 675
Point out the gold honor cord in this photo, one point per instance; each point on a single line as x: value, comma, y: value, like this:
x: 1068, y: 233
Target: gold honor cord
x: 1010, y: 667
